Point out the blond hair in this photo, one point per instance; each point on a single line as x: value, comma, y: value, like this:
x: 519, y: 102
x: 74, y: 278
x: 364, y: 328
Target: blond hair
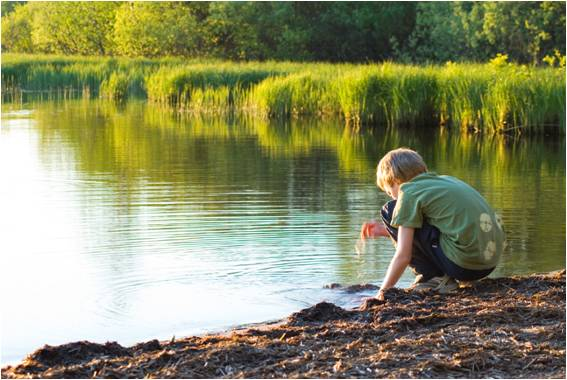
x: 399, y: 166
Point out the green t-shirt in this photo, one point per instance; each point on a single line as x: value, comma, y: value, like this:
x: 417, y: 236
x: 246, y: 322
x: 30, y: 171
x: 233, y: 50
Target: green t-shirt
x: 472, y: 235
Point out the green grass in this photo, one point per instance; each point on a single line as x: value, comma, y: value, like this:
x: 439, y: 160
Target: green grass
x: 184, y: 86
x: 292, y: 95
x: 481, y: 97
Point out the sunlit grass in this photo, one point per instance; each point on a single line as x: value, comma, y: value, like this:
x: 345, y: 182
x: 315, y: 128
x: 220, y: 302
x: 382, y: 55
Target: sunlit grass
x: 480, y: 97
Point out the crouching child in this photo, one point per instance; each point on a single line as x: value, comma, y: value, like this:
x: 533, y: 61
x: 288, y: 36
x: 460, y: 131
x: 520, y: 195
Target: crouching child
x: 442, y: 227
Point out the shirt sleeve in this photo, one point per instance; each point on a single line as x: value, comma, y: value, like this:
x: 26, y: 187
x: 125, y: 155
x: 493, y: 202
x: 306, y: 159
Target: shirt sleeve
x: 407, y: 212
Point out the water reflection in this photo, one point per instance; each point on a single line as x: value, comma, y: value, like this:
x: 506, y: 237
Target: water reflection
x: 176, y: 162
x: 131, y: 222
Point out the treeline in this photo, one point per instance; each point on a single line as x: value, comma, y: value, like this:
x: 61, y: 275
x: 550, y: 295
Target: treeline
x: 408, y: 32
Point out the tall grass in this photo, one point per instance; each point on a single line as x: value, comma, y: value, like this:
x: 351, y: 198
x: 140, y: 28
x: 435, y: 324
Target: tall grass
x: 42, y: 73
x: 485, y: 97
x: 527, y: 99
x: 293, y: 95
x: 188, y: 86
x: 482, y: 97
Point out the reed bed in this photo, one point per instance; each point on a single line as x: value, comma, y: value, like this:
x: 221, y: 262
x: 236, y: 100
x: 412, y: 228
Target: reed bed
x: 480, y: 97
x: 197, y: 87
x: 292, y: 95
x: 90, y: 76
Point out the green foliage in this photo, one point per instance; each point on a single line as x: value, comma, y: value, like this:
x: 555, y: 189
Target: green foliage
x: 526, y: 31
x: 340, y: 31
x: 410, y: 32
x: 153, y: 29
x: 83, y: 27
x: 9, y: 6
x: 476, y: 31
x: 17, y: 29
x: 439, y: 34
x: 229, y: 32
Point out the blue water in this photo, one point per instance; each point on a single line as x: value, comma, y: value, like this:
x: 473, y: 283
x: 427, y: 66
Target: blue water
x: 132, y: 223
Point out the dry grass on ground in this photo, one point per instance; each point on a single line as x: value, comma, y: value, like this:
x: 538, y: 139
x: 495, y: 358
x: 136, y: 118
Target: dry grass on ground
x: 508, y: 327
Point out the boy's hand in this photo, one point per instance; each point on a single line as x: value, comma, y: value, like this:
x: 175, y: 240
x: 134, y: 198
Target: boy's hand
x: 372, y: 229
x: 368, y: 229
x: 368, y: 303
x: 378, y: 299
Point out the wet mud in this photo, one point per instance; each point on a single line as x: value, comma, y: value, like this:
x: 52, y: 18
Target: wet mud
x: 503, y: 328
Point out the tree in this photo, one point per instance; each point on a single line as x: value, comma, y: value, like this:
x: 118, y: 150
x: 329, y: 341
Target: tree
x: 153, y: 29
x: 504, y: 28
x: 9, y: 6
x: 345, y: 31
x: 526, y: 31
x: 439, y: 34
x: 17, y: 29
x: 73, y: 27
x: 330, y: 31
x: 477, y: 31
x: 553, y: 21
x: 229, y: 31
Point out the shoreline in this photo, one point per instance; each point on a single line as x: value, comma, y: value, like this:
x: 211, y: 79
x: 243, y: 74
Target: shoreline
x: 512, y: 327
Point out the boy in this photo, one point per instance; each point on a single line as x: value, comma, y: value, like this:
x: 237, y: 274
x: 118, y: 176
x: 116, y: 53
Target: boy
x: 442, y: 228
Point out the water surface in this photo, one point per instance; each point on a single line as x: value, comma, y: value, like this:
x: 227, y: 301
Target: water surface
x: 130, y: 223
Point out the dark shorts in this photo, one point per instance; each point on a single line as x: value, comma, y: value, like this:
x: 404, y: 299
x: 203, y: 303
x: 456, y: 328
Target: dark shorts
x: 428, y: 258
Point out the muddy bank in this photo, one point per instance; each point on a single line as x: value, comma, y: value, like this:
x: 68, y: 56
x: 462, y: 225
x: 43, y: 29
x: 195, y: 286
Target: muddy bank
x: 508, y: 327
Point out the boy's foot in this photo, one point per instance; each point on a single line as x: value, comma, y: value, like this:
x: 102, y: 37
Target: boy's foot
x: 442, y: 285
x: 417, y: 280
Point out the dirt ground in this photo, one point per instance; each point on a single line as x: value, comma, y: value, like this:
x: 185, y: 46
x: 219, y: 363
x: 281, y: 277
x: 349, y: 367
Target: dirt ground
x: 503, y: 328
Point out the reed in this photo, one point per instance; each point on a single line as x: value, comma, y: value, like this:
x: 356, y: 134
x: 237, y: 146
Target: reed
x: 293, y: 95
x: 481, y: 97
x: 115, y: 87
x: 184, y: 86
x: 532, y: 100
x: 413, y: 96
x: 461, y: 89
x: 57, y: 74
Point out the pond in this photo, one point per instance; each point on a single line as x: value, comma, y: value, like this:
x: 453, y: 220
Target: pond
x: 129, y: 222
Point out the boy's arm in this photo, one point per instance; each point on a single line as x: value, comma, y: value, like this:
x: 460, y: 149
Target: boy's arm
x: 400, y: 261
x: 373, y: 229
